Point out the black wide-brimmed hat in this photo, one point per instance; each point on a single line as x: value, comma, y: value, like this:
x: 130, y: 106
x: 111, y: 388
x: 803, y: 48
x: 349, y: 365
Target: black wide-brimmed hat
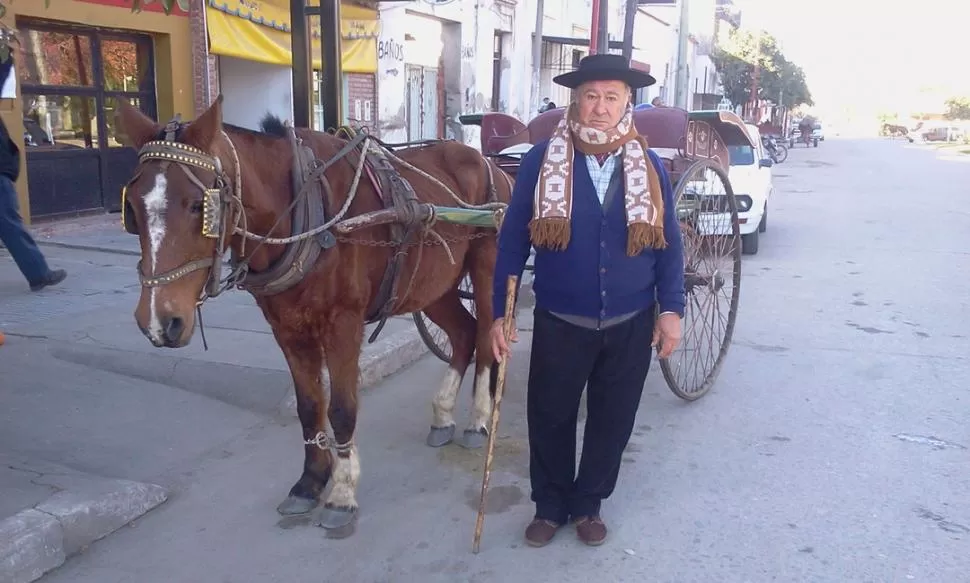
x: 605, y: 67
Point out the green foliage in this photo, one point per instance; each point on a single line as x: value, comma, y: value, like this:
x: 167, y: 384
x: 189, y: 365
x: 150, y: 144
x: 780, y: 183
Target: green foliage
x: 778, y: 78
x: 958, y: 108
x: 136, y: 5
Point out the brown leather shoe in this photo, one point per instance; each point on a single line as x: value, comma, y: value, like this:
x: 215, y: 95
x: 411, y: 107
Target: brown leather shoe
x: 591, y: 530
x: 540, y: 531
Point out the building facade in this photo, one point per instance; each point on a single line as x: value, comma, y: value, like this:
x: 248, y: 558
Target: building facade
x: 657, y: 31
x: 245, y: 55
x: 75, y: 61
x: 438, y: 60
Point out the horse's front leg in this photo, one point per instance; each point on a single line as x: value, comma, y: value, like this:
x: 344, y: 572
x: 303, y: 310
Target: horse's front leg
x: 305, y: 359
x: 342, y: 341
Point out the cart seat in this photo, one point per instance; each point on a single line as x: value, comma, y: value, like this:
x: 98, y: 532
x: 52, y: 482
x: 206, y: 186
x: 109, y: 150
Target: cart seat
x: 500, y: 130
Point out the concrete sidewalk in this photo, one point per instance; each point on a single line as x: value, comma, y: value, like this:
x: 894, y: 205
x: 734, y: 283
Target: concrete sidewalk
x: 99, y: 232
x: 97, y: 427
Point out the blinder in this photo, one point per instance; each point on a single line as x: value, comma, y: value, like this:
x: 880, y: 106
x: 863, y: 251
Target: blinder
x: 127, y: 212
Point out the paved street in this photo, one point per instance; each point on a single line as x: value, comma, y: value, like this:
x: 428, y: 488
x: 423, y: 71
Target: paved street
x: 833, y: 448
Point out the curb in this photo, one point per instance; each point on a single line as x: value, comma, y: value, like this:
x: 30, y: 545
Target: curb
x: 39, y: 539
x: 222, y: 381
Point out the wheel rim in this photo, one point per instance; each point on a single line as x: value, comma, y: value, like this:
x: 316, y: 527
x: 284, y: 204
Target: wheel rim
x: 708, y: 212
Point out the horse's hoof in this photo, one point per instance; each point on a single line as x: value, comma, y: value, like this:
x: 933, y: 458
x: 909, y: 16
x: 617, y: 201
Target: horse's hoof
x: 474, y: 438
x: 338, y: 522
x: 440, y: 436
x: 296, y: 505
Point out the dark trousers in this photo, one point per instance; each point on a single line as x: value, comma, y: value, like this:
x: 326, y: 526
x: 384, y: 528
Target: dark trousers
x: 612, y: 365
x: 16, y: 238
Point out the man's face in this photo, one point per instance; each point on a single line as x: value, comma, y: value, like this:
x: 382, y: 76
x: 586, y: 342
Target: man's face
x: 602, y: 103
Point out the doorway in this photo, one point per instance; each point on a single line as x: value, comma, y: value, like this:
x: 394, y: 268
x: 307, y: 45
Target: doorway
x: 422, y: 103
x: 72, y: 79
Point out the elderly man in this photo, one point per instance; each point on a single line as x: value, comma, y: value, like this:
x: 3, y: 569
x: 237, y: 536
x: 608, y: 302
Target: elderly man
x: 597, y: 205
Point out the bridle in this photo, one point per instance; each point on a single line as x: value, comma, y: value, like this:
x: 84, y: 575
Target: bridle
x: 218, y: 200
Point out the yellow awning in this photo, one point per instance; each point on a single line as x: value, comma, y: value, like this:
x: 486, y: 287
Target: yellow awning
x: 259, y: 30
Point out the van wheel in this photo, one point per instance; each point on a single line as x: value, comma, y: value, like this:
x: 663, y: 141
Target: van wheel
x: 763, y: 225
x: 749, y: 243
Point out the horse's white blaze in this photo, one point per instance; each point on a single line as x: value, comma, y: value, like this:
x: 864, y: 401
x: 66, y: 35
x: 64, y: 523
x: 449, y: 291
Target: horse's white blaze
x: 482, y: 405
x: 443, y: 404
x: 155, y: 203
x: 346, y: 474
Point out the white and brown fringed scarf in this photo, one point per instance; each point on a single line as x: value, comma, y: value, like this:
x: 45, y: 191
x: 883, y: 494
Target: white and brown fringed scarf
x: 550, y: 226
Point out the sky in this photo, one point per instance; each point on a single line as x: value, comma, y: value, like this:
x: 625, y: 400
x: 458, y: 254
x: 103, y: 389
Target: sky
x: 866, y: 56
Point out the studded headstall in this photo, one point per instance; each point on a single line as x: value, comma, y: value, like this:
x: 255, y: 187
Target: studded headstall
x: 216, y: 202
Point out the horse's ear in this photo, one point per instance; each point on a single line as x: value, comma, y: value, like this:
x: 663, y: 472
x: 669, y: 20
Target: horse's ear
x: 134, y: 128
x: 202, y: 132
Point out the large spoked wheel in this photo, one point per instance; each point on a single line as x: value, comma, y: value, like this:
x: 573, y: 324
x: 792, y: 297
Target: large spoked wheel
x: 434, y: 337
x: 708, y: 214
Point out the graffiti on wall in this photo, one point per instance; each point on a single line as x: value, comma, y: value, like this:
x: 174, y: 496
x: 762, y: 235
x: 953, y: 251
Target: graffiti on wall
x: 390, y: 49
x: 390, y: 112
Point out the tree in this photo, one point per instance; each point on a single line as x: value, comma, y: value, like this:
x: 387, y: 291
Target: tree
x: 778, y: 78
x: 957, y: 108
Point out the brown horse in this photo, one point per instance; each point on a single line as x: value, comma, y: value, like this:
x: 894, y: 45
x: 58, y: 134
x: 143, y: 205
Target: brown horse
x: 205, y: 187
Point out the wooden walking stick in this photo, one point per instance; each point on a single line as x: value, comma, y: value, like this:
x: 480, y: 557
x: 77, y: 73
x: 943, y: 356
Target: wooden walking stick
x: 510, y: 290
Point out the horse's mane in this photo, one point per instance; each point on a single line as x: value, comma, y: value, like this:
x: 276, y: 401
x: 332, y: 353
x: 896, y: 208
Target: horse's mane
x: 272, y: 125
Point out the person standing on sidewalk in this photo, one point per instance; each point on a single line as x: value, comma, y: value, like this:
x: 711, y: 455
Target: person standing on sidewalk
x: 597, y: 205
x: 14, y: 235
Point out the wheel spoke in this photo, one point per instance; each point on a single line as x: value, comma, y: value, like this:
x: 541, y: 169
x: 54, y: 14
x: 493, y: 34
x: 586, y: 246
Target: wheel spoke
x: 434, y: 337
x: 712, y: 256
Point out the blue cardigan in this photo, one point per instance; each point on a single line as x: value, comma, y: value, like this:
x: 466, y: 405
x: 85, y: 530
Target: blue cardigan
x: 593, y: 277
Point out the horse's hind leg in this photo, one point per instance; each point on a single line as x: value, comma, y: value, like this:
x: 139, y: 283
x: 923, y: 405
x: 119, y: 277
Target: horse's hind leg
x: 305, y: 359
x: 452, y: 317
x: 482, y: 269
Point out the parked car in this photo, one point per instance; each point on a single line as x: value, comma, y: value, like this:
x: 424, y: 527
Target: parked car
x: 750, y: 176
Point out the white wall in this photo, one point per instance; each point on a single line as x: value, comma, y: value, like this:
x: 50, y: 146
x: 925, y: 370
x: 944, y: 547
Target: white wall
x: 462, y: 34
x: 392, y: 52
x: 656, y: 43
x: 516, y: 89
x: 241, y: 81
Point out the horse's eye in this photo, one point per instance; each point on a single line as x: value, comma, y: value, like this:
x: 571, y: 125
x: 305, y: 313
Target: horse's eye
x: 196, y: 207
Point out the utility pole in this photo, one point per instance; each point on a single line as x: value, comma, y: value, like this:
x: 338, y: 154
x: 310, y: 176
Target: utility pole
x: 603, y: 30
x: 300, y: 49
x: 629, y: 23
x: 681, y: 80
x: 594, y: 27
x: 537, y: 56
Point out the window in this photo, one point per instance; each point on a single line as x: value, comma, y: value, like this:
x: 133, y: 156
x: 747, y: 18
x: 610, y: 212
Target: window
x: 55, y: 58
x: 72, y: 79
x: 60, y: 121
x: 741, y: 155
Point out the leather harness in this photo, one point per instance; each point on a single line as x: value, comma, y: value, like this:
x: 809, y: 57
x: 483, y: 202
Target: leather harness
x: 311, y: 188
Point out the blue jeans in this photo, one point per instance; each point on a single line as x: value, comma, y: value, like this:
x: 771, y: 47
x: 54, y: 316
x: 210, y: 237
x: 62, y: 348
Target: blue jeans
x: 16, y: 238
